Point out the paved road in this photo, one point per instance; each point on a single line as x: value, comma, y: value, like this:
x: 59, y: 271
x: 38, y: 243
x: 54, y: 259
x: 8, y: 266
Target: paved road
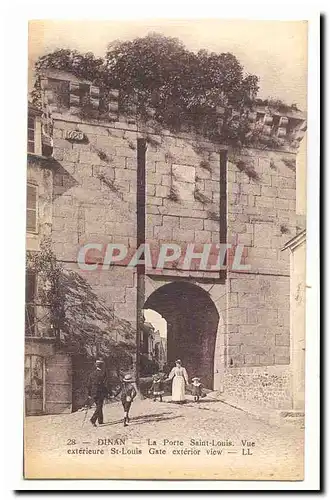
x: 202, y: 434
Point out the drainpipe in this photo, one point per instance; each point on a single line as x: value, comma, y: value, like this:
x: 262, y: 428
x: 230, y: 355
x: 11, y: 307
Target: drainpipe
x: 140, y: 240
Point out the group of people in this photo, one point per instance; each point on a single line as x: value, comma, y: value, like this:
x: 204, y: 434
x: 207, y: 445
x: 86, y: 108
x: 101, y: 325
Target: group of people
x: 179, y: 378
x: 98, y: 390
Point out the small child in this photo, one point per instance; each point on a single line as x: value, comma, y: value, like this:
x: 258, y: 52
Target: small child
x: 157, y: 387
x: 128, y: 394
x: 196, y: 389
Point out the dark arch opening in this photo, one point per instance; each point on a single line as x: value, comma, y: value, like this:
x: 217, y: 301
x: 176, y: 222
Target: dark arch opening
x: 192, y: 324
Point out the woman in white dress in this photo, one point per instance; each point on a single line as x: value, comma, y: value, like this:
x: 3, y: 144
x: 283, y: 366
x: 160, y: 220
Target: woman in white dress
x: 180, y: 379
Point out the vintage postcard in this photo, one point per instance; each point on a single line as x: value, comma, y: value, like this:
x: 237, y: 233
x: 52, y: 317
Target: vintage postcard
x: 165, y: 250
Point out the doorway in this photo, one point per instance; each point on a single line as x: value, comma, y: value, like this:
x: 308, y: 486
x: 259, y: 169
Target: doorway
x: 192, y: 323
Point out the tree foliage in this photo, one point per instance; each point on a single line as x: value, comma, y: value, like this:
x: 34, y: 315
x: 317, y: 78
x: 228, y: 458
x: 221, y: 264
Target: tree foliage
x: 82, y: 322
x: 183, y: 87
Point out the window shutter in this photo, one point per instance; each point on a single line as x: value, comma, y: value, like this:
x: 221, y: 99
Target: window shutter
x: 31, y: 135
x: 31, y: 209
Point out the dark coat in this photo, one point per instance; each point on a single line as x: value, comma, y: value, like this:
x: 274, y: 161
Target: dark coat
x: 196, y: 390
x: 157, y: 387
x: 127, y: 391
x: 97, y: 384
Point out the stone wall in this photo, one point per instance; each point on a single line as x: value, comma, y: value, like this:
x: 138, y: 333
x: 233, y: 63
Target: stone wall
x: 95, y: 202
x: 267, y: 386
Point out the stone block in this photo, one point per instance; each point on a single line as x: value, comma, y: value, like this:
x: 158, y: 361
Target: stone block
x: 163, y: 232
x: 283, y: 317
x: 232, y: 350
x: 151, y: 189
x: 264, y: 201
x: 234, y: 188
x: 244, y: 239
x: 237, y: 315
x: 70, y: 155
x: 282, y: 359
x: 126, y: 152
x: 282, y: 204
x: 88, y: 157
x: 161, y: 167
x: 202, y: 236
x: 211, y: 225
x: 268, y: 191
x: 126, y: 175
x: 154, y: 200
x: 170, y: 221
x: 250, y: 189
x: 162, y: 191
x: 190, y: 223
x: 284, y: 182
x: 242, y: 178
x: 245, y: 284
x: 151, y: 209
x: 262, y: 235
x: 131, y: 164
x: 153, y: 220
x: 57, y: 133
x: 289, y: 194
x: 154, y: 178
x: 266, y: 359
x: 282, y: 340
x: 231, y: 176
x: 203, y: 173
x: 184, y: 235
x: 235, y: 339
x: 251, y: 359
x: 166, y: 180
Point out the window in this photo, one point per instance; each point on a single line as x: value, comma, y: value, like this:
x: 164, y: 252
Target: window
x: 31, y: 134
x: 31, y: 208
x: 30, y: 295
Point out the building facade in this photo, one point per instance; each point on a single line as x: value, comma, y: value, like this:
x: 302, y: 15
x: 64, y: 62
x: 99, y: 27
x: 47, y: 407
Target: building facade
x: 231, y: 328
x: 47, y: 367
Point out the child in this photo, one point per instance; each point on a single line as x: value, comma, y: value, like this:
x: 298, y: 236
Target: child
x: 196, y: 388
x: 157, y: 387
x: 128, y: 394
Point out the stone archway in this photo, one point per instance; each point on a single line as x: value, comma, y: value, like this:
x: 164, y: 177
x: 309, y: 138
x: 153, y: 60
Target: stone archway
x: 192, y: 326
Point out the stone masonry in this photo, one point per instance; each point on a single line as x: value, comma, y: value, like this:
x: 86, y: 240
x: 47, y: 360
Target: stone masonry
x: 94, y: 201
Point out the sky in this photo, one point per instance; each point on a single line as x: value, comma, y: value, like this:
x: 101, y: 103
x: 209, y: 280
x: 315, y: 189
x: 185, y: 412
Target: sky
x: 157, y: 321
x: 276, y: 51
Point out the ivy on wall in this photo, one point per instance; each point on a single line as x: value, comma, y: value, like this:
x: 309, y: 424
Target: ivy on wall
x: 184, y: 89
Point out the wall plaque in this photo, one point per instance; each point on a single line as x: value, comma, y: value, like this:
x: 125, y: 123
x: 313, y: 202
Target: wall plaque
x: 74, y: 135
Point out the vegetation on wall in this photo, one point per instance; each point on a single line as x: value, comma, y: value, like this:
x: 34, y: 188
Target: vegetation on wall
x: 81, y: 321
x: 184, y: 89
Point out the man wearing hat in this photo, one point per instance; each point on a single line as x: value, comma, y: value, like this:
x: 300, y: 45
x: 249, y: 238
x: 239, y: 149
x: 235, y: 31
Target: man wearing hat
x: 97, y: 391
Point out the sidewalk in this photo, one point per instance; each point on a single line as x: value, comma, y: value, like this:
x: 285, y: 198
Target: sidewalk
x: 268, y: 415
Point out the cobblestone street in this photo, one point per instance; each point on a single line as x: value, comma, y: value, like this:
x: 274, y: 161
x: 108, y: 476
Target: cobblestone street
x: 276, y: 454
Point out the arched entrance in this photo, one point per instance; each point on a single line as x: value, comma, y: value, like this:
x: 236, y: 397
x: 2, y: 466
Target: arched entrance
x: 192, y: 324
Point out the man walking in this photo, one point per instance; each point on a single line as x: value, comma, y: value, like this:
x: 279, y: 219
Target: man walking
x: 97, y: 391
